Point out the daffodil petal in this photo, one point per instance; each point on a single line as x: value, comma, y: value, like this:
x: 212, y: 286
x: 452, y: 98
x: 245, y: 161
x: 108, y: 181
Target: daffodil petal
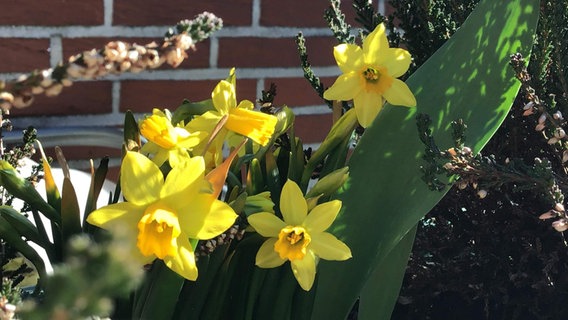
x: 191, y: 139
x: 305, y: 271
x: 123, y: 213
x: 396, y: 61
x: 266, y: 224
x: 161, y: 157
x: 292, y: 204
x: 400, y: 95
x: 375, y: 45
x: 253, y: 124
x: 149, y: 147
x: 141, y: 180
x: 322, y: 216
x: 345, y: 87
x: 224, y: 97
x: 183, y: 263
x: 204, y: 123
x: 328, y: 247
x: 367, y: 106
x: 183, y: 175
x: 206, y: 217
x: 266, y: 257
x: 349, y: 57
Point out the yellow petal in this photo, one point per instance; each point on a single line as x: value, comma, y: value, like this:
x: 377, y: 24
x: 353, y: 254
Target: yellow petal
x: 204, y: 123
x: 396, y: 61
x: 400, y: 95
x: 224, y: 97
x: 184, y: 175
x: 367, y: 107
x: 374, y: 45
x: 140, y: 179
x: 322, y: 216
x: 305, y: 271
x: 123, y: 213
x: 266, y: 224
x: 149, y: 147
x: 175, y: 157
x: 349, y: 57
x: 189, y: 140
x: 292, y: 204
x: 253, y: 124
x: 206, y: 217
x: 266, y: 257
x: 183, y: 263
x: 328, y: 247
x: 345, y: 87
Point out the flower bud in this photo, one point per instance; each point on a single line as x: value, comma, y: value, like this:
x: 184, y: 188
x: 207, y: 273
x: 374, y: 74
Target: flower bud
x: 559, y: 207
x: 54, y: 90
x: 547, y: 215
x: 482, y: 194
x: 184, y: 41
x: 528, y: 112
x: 539, y: 127
x: 529, y: 105
x: 461, y: 184
x: 23, y: 101
x: 330, y: 183
x: 552, y: 140
x: 564, y: 156
x: 559, y: 133
x: 542, y: 118
x: 560, y: 225
x: 6, y: 100
x: 557, y: 115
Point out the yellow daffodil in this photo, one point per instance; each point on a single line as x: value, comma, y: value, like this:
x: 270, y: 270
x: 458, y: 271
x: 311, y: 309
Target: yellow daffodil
x: 369, y: 76
x: 165, y: 141
x: 301, y: 237
x: 164, y: 214
x: 241, y: 118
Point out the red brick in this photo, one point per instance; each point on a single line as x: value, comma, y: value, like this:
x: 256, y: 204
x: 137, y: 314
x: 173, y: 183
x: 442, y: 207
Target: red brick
x: 295, y: 92
x: 142, y: 96
x: 51, y: 12
x: 312, y: 128
x: 300, y: 13
x: 196, y: 59
x: 92, y: 97
x: 169, y: 12
x: 23, y: 55
x: 252, y: 52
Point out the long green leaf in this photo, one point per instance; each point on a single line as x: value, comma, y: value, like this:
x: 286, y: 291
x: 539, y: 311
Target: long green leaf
x: 381, y: 291
x: 467, y: 78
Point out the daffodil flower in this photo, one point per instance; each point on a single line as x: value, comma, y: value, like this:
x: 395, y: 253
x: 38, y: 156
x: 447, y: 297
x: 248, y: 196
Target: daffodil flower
x: 165, y: 141
x: 369, y: 76
x: 164, y: 214
x: 241, y: 118
x: 301, y: 237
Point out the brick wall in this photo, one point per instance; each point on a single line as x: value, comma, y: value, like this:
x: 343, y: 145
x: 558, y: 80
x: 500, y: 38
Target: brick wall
x: 257, y: 39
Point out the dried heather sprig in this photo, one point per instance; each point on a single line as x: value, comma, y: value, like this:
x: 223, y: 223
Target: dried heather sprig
x: 115, y: 58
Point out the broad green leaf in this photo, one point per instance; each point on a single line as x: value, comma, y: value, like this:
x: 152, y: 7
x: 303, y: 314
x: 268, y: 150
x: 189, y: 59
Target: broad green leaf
x: 468, y: 78
x: 380, y: 293
x: 157, y: 297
